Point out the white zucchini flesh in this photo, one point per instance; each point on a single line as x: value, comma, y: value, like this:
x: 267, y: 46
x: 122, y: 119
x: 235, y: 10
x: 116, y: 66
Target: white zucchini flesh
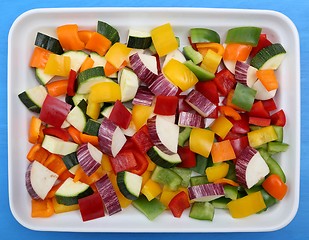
x: 57, y: 146
x: 77, y: 59
x: 129, y: 84
x: 77, y: 118
x: 70, y: 188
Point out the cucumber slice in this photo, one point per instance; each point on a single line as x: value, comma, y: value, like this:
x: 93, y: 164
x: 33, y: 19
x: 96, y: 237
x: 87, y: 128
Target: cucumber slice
x: 42, y: 77
x: 90, y: 77
x: 200, y: 73
x: 244, y: 35
x: 202, y: 211
x: 77, y: 117
x: 77, y: 98
x: 199, y: 35
x: 77, y: 59
x: 269, y: 57
x: 33, y: 98
x: 192, y: 54
x: 108, y: 31
x: 162, y: 159
x: 139, y: 39
x: 49, y: 43
x: 166, y: 177
x: 129, y: 184
x: 70, y: 191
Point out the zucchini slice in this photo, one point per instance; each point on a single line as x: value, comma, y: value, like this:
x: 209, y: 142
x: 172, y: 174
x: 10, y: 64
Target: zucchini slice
x: 269, y: 57
x: 90, y: 77
x: 77, y: 59
x: 33, y: 98
x: 77, y: 117
x: 42, y: 77
x: 70, y: 191
x: 49, y: 43
x: 108, y: 31
x: 129, y: 184
x: 162, y: 159
x: 139, y: 39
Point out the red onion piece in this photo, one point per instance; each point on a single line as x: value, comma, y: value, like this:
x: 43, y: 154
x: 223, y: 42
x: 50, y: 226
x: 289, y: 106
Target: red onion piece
x: 162, y: 86
x: 200, y: 103
x: 39, y: 180
x: 108, y: 195
x: 144, y: 66
x: 143, y: 96
x: 206, y: 192
x: 245, y: 74
x: 164, y: 134
x: 111, y: 138
x: 89, y: 158
x: 250, y: 167
x: 190, y: 119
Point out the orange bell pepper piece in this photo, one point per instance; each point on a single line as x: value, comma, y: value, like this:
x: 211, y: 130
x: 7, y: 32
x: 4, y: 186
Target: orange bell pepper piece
x: 39, y: 57
x: 57, y: 88
x: 222, y: 151
x: 69, y: 38
x: 85, y: 35
x: 88, y: 63
x: 34, y: 129
x: 42, y: 208
x: 38, y: 153
x: 98, y: 43
x: 268, y: 79
x: 236, y: 51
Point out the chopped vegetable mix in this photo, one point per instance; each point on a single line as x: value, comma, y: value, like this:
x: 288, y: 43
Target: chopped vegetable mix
x: 161, y: 124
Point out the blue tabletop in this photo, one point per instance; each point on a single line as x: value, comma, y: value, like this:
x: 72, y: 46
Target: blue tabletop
x: 297, y: 11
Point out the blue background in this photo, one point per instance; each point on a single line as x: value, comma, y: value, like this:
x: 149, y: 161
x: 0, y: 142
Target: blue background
x: 297, y: 11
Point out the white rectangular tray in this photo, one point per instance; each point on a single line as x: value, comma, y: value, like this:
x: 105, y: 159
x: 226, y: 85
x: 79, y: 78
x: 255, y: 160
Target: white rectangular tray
x: 278, y: 27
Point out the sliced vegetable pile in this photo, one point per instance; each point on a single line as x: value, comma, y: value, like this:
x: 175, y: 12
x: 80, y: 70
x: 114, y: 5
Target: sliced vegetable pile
x: 149, y: 124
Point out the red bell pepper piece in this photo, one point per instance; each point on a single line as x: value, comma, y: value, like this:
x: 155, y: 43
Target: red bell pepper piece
x: 278, y: 118
x: 263, y: 122
x: 71, y: 90
x: 142, y: 139
x: 269, y: 104
x: 225, y: 81
x: 57, y: 132
x: 262, y: 43
x: 187, y: 156
x: 209, y: 90
x: 91, y: 207
x: 166, y: 105
x: 258, y: 110
x: 120, y: 115
x: 124, y: 161
x: 240, y: 126
x: 179, y: 203
x: 239, y: 144
x: 141, y: 163
x: 54, y: 111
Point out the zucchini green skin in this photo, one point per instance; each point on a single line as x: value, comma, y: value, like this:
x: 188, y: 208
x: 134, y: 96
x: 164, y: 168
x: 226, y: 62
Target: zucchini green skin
x: 161, y: 160
x: 92, y: 127
x: 71, y: 200
x: 244, y: 35
x: 108, y: 31
x: 49, y: 43
x: 266, y: 54
x: 28, y: 100
x: 70, y: 160
x: 29, y: 103
x: 124, y: 185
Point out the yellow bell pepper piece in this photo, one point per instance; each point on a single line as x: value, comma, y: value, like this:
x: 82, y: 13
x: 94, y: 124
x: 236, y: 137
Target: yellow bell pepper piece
x: 140, y: 114
x: 221, y: 126
x: 93, y: 110
x: 179, y: 74
x: 151, y: 189
x: 164, y: 39
x: 263, y: 135
x: 117, y: 54
x: 106, y: 164
x: 61, y: 208
x: 211, y: 61
x: 104, y: 92
x: 217, y: 171
x: 58, y: 65
x: 201, y: 141
x: 246, y: 206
